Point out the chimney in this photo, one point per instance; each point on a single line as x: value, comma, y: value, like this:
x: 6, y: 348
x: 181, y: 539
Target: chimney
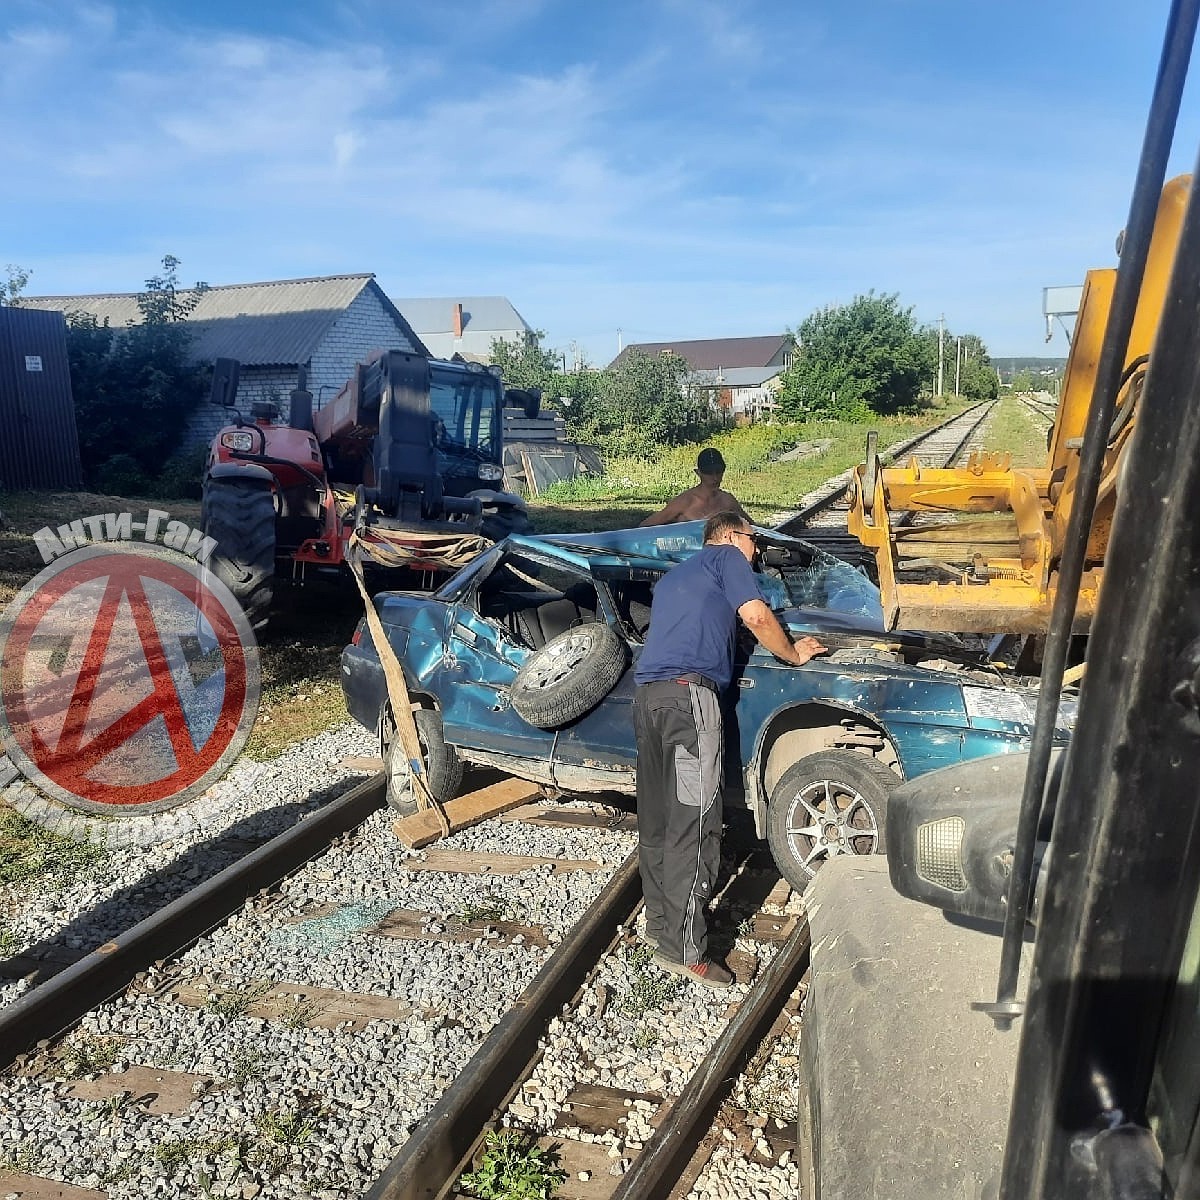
x: 458, y: 324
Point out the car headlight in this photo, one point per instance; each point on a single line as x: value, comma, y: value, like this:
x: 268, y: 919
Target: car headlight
x: 239, y: 440
x: 490, y: 471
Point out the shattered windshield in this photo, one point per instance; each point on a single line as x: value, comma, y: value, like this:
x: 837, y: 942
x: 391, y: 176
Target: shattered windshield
x: 813, y: 579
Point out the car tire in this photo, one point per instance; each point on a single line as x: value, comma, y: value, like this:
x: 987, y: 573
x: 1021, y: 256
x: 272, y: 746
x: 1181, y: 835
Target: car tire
x: 834, y: 792
x: 502, y: 520
x: 443, y: 767
x: 569, y: 675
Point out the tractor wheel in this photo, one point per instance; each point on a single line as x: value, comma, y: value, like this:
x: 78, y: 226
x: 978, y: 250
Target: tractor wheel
x: 240, y: 515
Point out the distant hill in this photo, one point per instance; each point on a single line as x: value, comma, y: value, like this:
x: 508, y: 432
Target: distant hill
x: 1008, y: 367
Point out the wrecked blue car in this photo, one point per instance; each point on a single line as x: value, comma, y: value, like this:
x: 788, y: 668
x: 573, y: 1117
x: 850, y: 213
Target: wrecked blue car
x: 522, y: 661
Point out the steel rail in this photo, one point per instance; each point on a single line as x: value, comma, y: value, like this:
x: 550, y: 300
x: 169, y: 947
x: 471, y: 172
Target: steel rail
x: 802, y: 516
x: 663, y: 1161
x: 429, y: 1162
x: 47, y: 1010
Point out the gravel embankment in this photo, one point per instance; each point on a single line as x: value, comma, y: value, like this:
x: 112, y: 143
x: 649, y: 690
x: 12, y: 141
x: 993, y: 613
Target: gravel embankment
x: 150, y: 860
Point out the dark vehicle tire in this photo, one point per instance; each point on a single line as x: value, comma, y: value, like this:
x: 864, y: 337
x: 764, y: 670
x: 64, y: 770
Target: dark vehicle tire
x: 569, y: 675
x: 503, y: 520
x: 443, y: 767
x: 240, y: 516
x: 833, y: 802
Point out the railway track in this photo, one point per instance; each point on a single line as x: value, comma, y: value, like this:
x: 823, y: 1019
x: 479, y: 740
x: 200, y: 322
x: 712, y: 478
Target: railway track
x: 281, y: 1030
x: 942, y: 446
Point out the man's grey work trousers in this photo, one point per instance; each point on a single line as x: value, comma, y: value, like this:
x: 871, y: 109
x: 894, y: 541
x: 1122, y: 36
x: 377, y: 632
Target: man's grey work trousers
x: 679, y: 744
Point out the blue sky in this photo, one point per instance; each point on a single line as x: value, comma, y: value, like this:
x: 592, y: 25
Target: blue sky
x: 670, y: 169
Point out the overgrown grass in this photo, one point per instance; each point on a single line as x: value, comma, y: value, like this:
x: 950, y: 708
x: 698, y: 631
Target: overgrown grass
x: 632, y: 488
x: 514, y: 1167
x: 27, y: 852
x: 1013, y: 429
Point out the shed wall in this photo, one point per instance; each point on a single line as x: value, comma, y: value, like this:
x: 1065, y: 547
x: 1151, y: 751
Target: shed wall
x: 39, y: 442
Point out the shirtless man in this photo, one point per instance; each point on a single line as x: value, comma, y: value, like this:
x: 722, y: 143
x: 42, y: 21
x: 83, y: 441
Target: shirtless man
x: 705, y: 499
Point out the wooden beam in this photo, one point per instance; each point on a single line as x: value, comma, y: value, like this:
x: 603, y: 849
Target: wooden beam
x: 422, y: 828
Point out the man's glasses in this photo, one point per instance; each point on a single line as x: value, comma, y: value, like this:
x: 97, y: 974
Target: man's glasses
x: 742, y: 533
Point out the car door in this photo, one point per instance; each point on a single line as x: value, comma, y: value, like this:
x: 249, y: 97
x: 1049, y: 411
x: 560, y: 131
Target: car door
x: 477, y: 667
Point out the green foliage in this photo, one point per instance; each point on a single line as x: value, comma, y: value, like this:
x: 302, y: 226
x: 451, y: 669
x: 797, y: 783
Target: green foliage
x: 237, y: 1001
x: 89, y: 1054
x: 641, y: 404
x: 164, y: 302
x: 855, y: 360
x: 525, y: 364
x: 121, y: 475
x: 651, y: 989
x: 182, y: 476
x: 28, y: 851
x: 514, y: 1167
x: 963, y: 356
x: 14, y: 284
x: 135, y: 388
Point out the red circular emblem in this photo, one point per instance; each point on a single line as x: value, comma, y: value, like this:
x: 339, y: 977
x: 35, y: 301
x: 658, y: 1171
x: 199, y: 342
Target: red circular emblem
x: 128, y: 679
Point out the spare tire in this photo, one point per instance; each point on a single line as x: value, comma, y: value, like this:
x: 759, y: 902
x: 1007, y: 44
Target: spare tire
x: 569, y: 675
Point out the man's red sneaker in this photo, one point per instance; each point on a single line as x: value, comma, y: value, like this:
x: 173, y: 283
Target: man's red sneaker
x: 709, y: 972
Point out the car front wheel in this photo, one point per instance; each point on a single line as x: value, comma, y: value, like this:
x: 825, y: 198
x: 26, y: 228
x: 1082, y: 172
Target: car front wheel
x: 833, y: 802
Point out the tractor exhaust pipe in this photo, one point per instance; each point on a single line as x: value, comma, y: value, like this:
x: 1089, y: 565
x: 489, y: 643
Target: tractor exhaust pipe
x: 300, y: 410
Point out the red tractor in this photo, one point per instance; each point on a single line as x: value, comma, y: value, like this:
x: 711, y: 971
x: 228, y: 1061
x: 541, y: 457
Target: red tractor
x: 409, y: 453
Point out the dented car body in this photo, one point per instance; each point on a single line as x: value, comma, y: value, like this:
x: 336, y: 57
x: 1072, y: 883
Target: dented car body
x: 796, y: 736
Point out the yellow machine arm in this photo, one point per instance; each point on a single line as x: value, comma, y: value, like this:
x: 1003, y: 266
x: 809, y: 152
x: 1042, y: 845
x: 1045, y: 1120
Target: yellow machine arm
x: 999, y: 574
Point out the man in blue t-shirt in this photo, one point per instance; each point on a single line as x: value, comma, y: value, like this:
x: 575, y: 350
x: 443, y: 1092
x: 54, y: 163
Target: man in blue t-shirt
x: 686, y: 663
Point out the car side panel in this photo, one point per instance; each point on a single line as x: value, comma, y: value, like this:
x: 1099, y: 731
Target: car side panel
x: 471, y: 678
x: 602, y: 740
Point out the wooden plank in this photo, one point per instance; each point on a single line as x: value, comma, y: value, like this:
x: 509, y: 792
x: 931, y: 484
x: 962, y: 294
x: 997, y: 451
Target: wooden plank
x: 362, y: 762
x: 34, y: 1187
x: 779, y: 894
x: 155, y: 1089
x: 410, y: 925
x: 422, y: 828
x: 595, y: 1108
x: 590, y: 1169
x: 466, y: 862
x: 299, y: 1004
x: 570, y: 818
x: 768, y: 928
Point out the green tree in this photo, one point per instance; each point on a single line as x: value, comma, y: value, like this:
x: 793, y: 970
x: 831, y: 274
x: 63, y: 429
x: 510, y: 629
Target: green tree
x: 642, y: 403
x: 135, y: 387
x: 15, y: 282
x: 854, y: 360
x: 966, y: 352
x: 164, y: 302
x: 525, y: 364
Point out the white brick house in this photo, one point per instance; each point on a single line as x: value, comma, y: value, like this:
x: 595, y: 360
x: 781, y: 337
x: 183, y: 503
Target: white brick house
x: 324, y: 324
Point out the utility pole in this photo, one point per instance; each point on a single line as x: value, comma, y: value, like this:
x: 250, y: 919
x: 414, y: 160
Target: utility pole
x: 941, y: 349
x: 958, y: 367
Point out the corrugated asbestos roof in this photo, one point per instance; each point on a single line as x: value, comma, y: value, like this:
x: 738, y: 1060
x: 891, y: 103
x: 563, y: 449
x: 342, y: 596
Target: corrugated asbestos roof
x: 436, y: 314
x: 279, y: 323
x: 709, y: 354
x: 739, y: 377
